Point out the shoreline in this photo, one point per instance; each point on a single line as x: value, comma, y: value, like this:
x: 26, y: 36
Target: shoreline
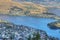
x: 39, y: 16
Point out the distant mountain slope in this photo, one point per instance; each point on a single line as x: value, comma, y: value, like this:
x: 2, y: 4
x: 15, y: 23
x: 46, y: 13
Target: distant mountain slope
x: 6, y: 7
x: 46, y: 3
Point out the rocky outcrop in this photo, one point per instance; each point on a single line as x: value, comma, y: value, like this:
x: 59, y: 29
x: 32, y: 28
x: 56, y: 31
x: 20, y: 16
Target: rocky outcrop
x: 10, y: 31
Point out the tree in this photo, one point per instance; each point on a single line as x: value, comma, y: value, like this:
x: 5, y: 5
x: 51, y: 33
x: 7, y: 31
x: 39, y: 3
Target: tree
x: 29, y: 38
x: 12, y: 36
x: 36, y: 36
x: 27, y: 12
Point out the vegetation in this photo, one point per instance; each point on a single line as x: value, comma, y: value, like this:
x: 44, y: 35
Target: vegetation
x: 27, y: 12
x: 49, y: 13
x: 36, y: 36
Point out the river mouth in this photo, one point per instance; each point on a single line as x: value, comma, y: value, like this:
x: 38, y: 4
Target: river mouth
x: 34, y: 22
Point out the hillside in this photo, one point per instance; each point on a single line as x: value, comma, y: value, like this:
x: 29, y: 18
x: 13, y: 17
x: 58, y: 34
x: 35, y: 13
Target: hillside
x: 6, y: 7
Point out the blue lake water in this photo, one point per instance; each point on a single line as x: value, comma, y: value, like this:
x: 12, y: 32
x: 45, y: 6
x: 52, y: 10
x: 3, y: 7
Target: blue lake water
x: 34, y: 22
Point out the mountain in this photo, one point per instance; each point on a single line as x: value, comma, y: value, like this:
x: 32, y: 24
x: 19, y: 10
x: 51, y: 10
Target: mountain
x: 46, y: 3
x: 38, y: 0
x: 13, y: 7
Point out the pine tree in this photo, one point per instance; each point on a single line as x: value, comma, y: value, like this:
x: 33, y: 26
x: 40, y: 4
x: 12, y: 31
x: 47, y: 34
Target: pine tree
x: 36, y: 36
x: 29, y: 38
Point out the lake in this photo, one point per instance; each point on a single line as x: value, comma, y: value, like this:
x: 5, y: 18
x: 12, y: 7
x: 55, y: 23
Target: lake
x: 34, y: 22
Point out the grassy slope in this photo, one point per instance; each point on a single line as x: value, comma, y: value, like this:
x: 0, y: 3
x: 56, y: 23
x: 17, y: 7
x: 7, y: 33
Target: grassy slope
x: 5, y: 6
